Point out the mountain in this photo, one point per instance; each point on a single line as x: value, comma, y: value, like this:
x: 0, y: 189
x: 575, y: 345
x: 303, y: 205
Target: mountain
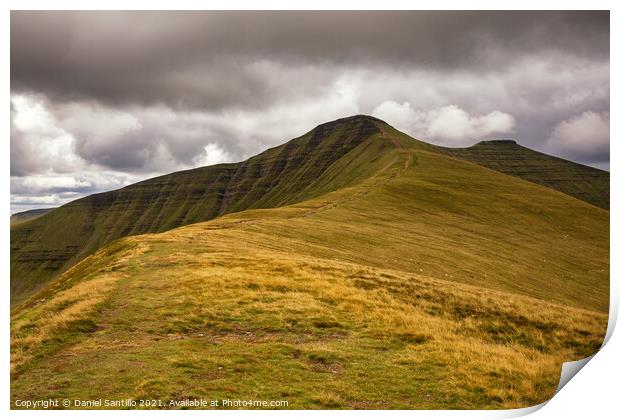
x: 325, y: 159
x: 375, y: 271
x: 27, y: 215
x: 320, y: 161
x: 583, y: 182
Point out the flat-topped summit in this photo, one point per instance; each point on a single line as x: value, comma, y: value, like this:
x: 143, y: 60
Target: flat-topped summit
x: 498, y: 142
x: 360, y: 126
x: 353, y: 119
x: 507, y: 156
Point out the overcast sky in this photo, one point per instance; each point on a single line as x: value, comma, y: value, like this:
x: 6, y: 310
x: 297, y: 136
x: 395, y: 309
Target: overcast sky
x: 103, y: 99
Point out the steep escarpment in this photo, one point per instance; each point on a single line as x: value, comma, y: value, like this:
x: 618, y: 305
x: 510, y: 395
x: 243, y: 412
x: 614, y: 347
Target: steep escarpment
x: 297, y: 170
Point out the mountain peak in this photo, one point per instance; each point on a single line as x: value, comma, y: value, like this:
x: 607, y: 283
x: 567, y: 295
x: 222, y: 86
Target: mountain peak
x: 358, y: 126
x: 359, y: 118
x: 353, y: 120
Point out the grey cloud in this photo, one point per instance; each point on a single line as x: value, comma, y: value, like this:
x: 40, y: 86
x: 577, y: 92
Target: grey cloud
x: 205, y: 59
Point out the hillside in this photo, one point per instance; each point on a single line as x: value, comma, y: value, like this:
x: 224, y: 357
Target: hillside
x: 583, y: 182
x: 27, y: 215
x: 411, y: 279
x: 300, y: 169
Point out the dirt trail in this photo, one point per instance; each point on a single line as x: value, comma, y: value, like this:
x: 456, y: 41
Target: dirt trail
x: 399, y: 146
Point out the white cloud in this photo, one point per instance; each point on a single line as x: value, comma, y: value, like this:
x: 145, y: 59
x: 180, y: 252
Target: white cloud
x: 38, y: 142
x: 448, y: 125
x: 42, y: 183
x: 53, y: 190
x: 213, y: 154
x: 585, y: 137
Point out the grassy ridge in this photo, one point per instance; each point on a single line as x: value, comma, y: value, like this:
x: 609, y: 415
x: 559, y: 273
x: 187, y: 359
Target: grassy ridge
x: 583, y: 182
x: 429, y: 282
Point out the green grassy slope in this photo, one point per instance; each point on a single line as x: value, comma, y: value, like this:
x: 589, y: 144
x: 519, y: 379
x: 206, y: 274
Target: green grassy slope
x: 588, y: 184
x: 300, y: 169
x: 430, y: 283
x: 27, y: 215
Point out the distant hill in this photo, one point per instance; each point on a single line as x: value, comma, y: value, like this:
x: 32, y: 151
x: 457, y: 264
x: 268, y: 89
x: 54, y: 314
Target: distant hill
x: 27, y: 215
x: 583, y: 182
x: 354, y: 267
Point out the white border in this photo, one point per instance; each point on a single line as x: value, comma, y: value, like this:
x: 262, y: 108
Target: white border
x: 594, y: 391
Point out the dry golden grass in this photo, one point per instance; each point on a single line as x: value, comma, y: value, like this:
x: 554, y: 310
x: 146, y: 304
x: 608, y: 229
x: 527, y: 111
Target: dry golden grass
x: 51, y: 317
x: 489, y: 348
x: 72, y: 303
